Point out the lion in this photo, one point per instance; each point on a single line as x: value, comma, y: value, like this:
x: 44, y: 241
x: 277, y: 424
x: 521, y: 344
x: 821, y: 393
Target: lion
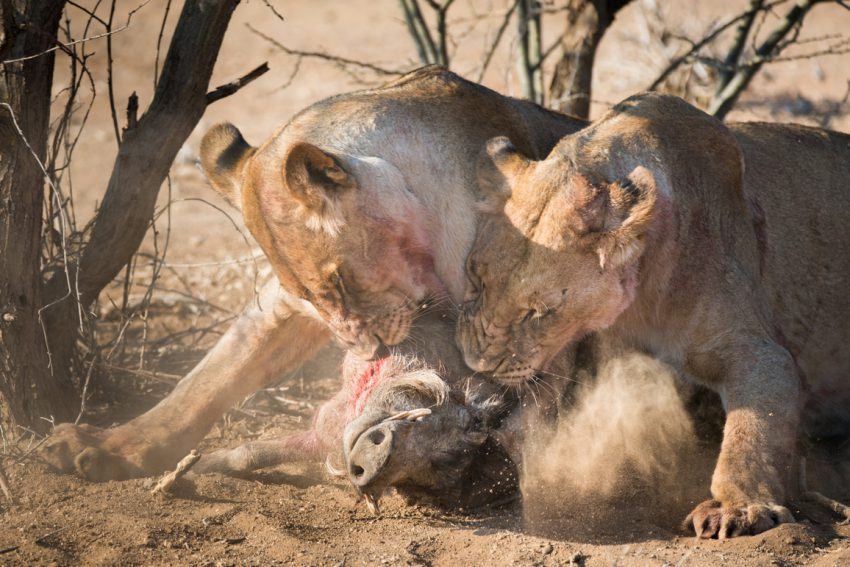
x: 722, y: 251
x: 364, y: 205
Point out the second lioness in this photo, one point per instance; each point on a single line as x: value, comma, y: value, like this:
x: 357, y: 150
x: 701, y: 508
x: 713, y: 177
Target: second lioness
x: 669, y: 233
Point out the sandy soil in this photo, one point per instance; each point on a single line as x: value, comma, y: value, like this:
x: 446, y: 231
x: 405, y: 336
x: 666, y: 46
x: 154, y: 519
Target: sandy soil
x: 295, y: 515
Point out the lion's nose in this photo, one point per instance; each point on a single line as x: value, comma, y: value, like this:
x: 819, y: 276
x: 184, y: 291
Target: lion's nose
x: 478, y: 363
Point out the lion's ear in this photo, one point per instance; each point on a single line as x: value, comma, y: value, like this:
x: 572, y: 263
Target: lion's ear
x: 630, y: 208
x: 499, y: 165
x: 316, y: 180
x: 224, y: 154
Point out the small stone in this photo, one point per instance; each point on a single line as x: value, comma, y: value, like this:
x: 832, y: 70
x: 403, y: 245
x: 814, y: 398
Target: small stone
x: 546, y: 549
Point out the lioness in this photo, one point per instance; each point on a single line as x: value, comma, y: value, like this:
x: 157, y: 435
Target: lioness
x: 364, y: 205
x: 724, y: 252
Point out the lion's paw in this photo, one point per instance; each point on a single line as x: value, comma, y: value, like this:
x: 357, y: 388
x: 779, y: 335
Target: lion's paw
x: 95, y: 454
x: 713, y: 519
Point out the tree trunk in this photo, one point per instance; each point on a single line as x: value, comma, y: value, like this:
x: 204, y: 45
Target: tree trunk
x: 33, y: 385
x: 587, y: 21
x: 36, y: 383
x: 147, y: 150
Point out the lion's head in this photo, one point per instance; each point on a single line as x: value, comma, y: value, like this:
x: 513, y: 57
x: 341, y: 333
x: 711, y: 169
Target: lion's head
x: 562, y: 250
x: 557, y: 263
x: 341, y: 231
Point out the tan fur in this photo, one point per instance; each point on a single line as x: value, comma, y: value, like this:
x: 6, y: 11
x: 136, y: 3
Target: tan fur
x: 721, y: 251
x: 363, y: 213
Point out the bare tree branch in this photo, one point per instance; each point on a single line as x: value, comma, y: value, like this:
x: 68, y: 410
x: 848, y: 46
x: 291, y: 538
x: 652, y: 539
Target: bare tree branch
x: 165, y: 14
x: 233, y: 86
x: 727, y: 98
x: 277, y: 14
x: 110, y: 80
x: 697, y: 46
x: 71, y: 43
x: 442, y: 32
x: 418, y: 28
x: 500, y: 32
x: 342, y: 61
x: 586, y: 24
x: 31, y: 390
x: 742, y: 32
x: 147, y: 151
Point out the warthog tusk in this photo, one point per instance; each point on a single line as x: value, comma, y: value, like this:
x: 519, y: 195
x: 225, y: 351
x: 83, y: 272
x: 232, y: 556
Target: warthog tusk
x: 332, y: 470
x: 372, y: 504
x: 410, y: 415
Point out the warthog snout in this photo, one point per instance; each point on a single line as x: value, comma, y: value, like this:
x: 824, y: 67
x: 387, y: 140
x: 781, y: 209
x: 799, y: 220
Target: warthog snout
x: 370, y: 454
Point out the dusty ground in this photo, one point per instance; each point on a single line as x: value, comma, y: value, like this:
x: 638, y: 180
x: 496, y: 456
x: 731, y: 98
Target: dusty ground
x: 296, y: 515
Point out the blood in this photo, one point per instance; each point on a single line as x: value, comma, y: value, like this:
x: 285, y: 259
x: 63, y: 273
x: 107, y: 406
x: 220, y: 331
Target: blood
x: 366, y: 382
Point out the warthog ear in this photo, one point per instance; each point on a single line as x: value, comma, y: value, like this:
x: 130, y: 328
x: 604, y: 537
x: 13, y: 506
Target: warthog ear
x: 316, y: 180
x: 499, y: 165
x: 224, y: 154
x: 631, y: 207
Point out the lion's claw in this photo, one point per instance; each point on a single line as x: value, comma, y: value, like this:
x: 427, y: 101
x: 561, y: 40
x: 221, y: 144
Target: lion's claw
x: 713, y: 519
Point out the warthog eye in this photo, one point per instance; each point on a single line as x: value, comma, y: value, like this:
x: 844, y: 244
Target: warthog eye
x: 537, y: 313
x: 472, y: 275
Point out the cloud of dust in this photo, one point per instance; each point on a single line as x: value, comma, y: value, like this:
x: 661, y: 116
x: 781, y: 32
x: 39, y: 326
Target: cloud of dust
x: 627, y: 440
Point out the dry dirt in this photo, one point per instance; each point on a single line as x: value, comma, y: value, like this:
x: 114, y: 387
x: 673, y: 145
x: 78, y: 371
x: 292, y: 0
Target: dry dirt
x: 296, y: 515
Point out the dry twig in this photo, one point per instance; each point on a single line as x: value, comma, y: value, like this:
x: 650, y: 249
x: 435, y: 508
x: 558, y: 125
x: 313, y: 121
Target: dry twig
x: 168, y: 479
x: 341, y: 61
x: 233, y: 86
x: 65, y: 46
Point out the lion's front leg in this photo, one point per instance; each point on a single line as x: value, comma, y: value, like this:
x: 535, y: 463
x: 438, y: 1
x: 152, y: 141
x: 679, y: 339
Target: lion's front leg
x: 758, y: 459
x: 262, y: 344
